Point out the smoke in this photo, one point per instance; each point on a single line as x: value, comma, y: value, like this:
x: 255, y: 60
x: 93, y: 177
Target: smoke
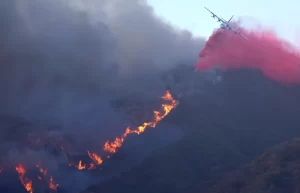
x: 275, y: 58
x: 65, y: 63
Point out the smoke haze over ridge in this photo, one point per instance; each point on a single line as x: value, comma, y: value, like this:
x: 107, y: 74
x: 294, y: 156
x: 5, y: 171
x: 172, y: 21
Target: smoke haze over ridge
x: 55, y: 55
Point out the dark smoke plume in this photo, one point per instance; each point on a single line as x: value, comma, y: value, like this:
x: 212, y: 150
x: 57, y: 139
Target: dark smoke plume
x: 62, y: 61
x: 65, y: 63
x: 276, y: 58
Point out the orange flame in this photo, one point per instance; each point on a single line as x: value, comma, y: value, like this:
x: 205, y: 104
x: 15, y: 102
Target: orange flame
x: 80, y: 166
x: 112, y: 147
x: 97, y: 159
x: 51, y: 183
x: 26, y: 182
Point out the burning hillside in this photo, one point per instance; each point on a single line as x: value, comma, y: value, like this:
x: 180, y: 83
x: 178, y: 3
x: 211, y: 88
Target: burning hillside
x: 71, y: 73
x: 109, y: 148
x: 229, y: 123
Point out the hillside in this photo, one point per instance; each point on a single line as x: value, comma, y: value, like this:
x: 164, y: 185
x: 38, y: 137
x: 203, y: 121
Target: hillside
x: 226, y: 126
x: 276, y: 170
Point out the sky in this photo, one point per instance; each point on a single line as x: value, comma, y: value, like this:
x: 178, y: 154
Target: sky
x: 190, y: 14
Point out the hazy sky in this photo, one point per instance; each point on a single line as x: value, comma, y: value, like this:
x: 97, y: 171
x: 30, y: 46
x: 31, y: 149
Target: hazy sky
x: 190, y: 14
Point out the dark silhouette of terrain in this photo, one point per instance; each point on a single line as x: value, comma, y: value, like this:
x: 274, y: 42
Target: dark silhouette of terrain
x: 276, y: 170
x: 226, y: 125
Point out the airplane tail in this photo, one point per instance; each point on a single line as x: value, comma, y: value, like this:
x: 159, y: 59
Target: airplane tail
x: 230, y: 19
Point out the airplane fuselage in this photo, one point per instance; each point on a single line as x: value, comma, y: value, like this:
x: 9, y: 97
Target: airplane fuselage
x: 223, y: 26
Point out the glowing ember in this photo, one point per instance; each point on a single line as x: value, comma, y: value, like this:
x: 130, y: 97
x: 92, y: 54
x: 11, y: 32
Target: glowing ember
x: 42, y: 171
x: 52, y: 184
x: 26, y: 183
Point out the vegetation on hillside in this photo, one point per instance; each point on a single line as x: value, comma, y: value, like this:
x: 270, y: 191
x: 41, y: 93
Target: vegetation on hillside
x: 276, y: 170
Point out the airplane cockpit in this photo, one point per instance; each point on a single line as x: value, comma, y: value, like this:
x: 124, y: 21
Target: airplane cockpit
x: 223, y: 25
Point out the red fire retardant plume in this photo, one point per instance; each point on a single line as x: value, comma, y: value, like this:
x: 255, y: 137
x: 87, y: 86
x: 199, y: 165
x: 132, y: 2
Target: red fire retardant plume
x: 277, y: 59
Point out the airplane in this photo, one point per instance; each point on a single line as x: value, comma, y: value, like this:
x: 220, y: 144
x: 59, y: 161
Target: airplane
x: 225, y: 24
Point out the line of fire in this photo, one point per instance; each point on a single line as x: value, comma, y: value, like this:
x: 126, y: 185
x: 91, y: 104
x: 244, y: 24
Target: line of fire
x: 109, y: 148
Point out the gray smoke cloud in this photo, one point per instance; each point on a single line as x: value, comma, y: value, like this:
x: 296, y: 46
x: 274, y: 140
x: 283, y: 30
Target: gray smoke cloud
x: 63, y: 62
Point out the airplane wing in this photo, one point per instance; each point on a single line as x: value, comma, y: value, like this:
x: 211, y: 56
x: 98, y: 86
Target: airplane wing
x: 214, y: 15
x: 235, y: 31
x: 230, y: 19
